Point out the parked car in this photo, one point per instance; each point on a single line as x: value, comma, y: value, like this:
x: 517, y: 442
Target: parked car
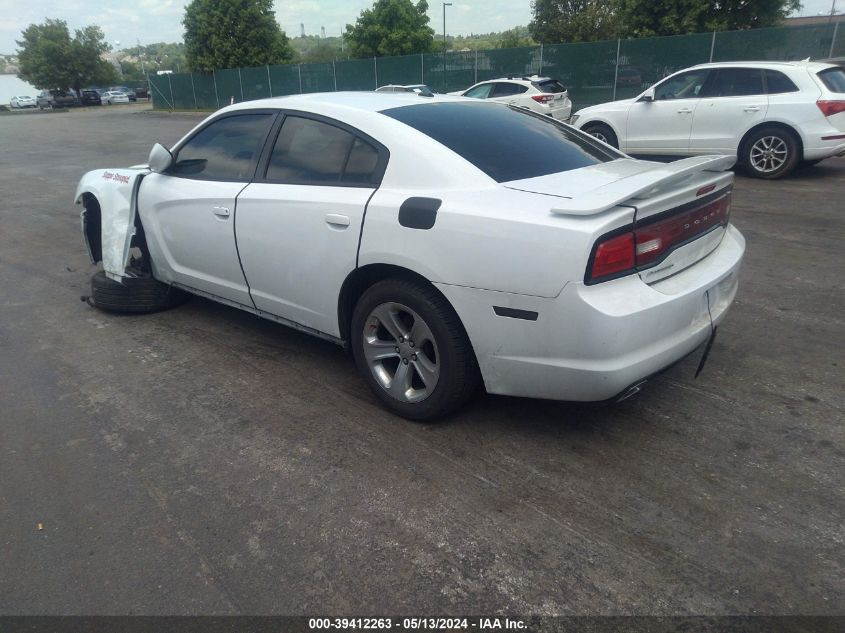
x: 142, y: 92
x: 110, y: 97
x: 770, y: 115
x: 628, y: 76
x: 47, y: 99
x: 130, y: 94
x: 420, y: 89
x: 443, y: 241
x: 538, y: 94
x: 90, y: 97
x: 22, y: 102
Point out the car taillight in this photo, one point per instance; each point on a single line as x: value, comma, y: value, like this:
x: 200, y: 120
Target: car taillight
x: 614, y: 255
x: 647, y: 244
x: 542, y: 98
x: 829, y: 108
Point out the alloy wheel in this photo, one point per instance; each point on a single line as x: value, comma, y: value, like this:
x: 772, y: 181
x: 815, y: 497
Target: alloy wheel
x: 401, y: 352
x: 768, y: 154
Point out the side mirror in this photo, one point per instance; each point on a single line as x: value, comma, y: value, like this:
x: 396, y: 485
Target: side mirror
x: 648, y: 95
x: 160, y: 158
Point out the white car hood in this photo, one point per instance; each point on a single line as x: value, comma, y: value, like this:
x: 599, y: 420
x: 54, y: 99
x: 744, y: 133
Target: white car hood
x: 594, y: 189
x: 610, y: 105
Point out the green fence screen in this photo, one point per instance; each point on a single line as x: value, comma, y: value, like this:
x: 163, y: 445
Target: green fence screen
x: 593, y: 72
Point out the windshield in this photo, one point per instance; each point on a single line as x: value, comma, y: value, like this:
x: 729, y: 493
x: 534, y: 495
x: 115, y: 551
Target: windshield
x: 505, y: 143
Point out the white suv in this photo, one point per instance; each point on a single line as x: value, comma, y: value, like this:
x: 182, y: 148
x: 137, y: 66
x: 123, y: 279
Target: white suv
x: 771, y: 115
x: 539, y: 94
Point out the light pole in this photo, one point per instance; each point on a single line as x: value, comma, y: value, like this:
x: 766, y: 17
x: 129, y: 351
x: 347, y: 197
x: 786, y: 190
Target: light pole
x: 445, y: 4
x: 449, y: 4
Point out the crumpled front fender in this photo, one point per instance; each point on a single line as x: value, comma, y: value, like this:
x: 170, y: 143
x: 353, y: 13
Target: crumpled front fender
x: 116, y: 192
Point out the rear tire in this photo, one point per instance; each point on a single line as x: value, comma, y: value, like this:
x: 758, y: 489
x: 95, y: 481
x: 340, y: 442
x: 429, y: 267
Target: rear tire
x: 135, y: 295
x: 603, y: 133
x: 434, y: 370
x: 770, y: 153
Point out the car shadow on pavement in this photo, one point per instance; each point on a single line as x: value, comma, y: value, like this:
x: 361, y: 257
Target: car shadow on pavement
x: 274, y: 347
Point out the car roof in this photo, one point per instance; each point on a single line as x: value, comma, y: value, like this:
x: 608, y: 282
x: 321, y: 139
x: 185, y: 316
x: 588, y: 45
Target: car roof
x: 809, y: 65
x: 338, y: 102
x: 518, y: 79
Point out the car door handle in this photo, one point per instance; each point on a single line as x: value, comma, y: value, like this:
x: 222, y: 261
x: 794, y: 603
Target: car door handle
x: 221, y: 212
x: 336, y: 220
x: 685, y: 111
x: 752, y: 109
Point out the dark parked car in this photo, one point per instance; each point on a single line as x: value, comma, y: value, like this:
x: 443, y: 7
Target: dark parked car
x: 56, y: 99
x: 125, y: 90
x: 142, y: 92
x: 90, y: 97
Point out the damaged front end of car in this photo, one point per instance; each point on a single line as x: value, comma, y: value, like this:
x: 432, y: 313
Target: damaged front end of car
x: 109, y: 216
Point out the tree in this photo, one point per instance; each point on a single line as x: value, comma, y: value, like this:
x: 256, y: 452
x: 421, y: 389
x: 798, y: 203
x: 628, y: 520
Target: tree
x: 557, y: 21
x: 233, y: 33
x: 49, y: 58
x: 512, y: 38
x: 643, y: 18
x: 391, y: 27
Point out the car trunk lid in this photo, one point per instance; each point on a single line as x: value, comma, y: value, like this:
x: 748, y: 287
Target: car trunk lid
x: 681, y: 208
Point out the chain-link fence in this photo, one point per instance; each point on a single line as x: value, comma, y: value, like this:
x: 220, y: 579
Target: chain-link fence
x: 594, y: 72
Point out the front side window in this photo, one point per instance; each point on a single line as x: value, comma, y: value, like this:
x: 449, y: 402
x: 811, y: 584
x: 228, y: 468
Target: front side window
x: 479, y: 92
x: 311, y: 152
x: 735, y: 82
x: 683, y: 86
x: 226, y: 150
x: 506, y: 143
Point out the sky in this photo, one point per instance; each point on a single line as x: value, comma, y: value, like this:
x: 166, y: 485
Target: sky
x: 150, y: 21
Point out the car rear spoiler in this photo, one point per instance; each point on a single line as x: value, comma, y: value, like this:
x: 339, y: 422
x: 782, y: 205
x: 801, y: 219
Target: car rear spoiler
x: 643, y: 185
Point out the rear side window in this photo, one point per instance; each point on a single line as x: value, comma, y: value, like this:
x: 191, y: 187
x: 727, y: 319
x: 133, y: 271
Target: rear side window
x: 735, y: 82
x: 309, y: 152
x: 362, y: 163
x: 550, y: 86
x: 227, y: 149
x: 505, y: 143
x: 778, y: 83
x: 503, y: 89
x: 833, y: 79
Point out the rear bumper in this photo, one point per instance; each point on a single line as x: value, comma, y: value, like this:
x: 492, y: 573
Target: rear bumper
x: 591, y: 343
x: 822, y: 140
x: 562, y: 112
x: 825, y: 149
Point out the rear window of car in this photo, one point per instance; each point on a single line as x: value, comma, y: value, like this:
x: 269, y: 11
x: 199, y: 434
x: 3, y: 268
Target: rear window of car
x: 505, y: 143
x: 833, y: 79
x: 550, y: 86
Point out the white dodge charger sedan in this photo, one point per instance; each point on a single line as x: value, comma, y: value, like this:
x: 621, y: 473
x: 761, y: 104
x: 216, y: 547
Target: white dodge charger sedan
x: 770, y: 115
x: 443, y: 241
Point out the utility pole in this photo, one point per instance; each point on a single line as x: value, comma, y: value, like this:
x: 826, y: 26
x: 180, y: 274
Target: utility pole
x: 445, y: 46
x: 449, y: 4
